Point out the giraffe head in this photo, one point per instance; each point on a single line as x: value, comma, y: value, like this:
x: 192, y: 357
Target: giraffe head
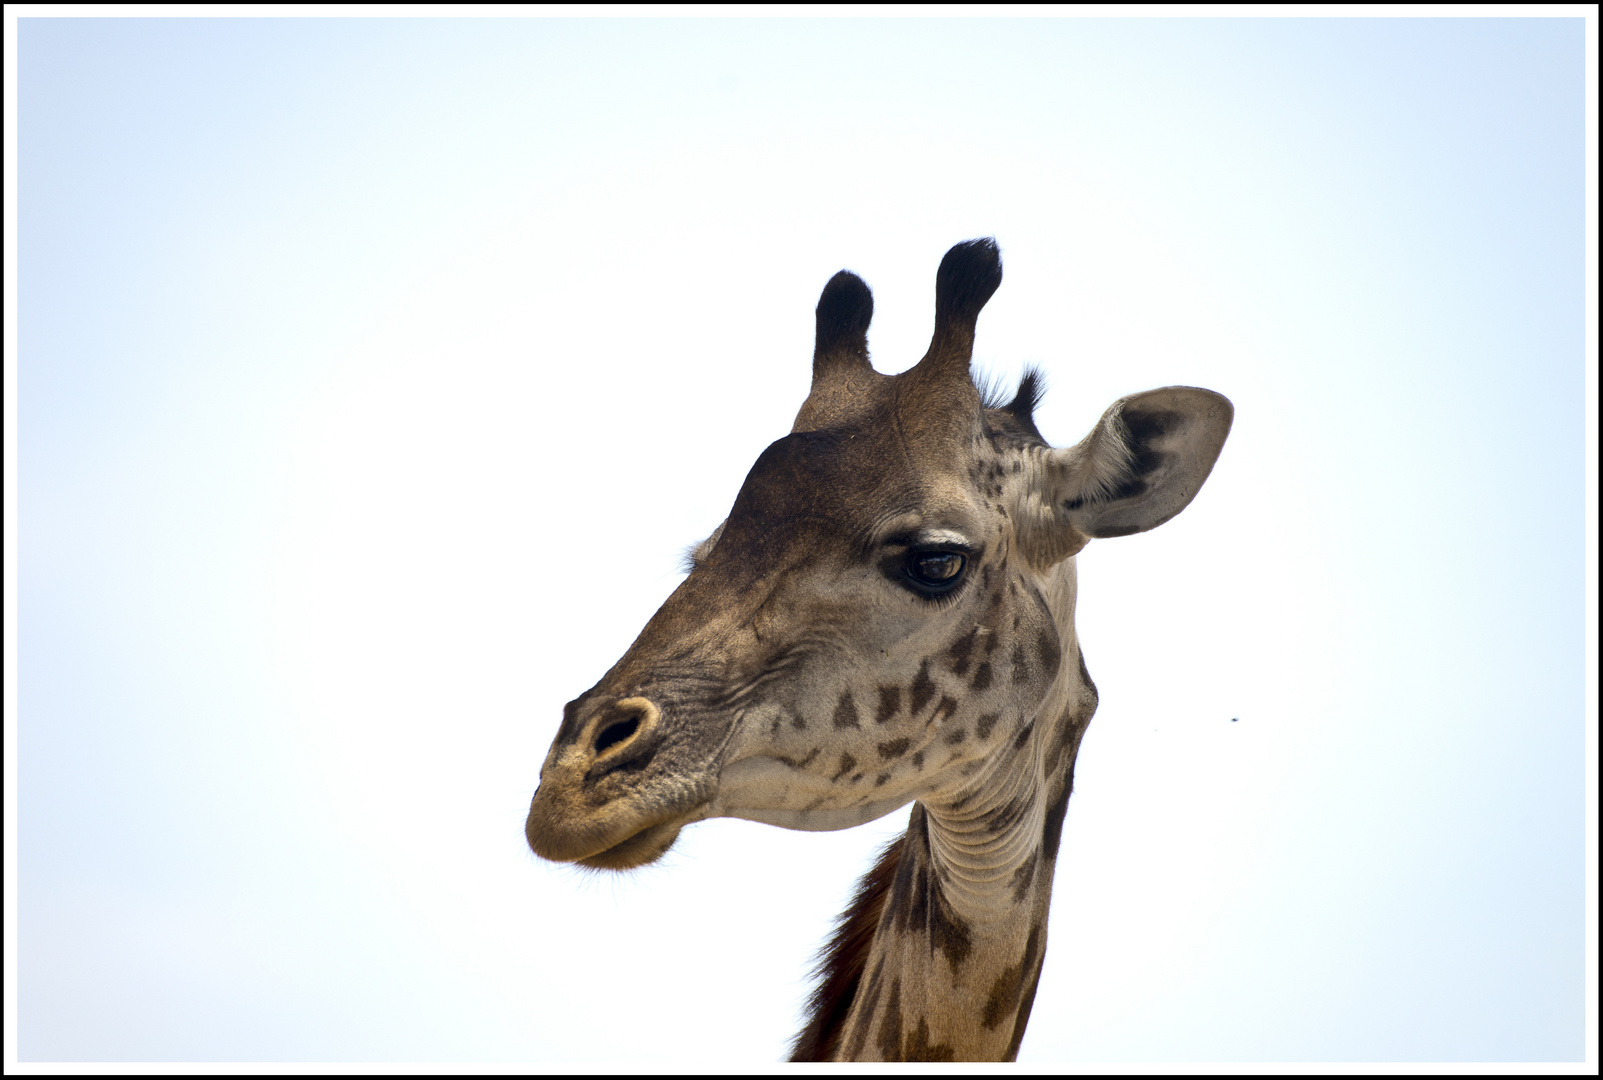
x: 871, y: 623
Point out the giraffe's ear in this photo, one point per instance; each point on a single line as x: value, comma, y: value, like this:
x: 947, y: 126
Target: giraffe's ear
x: 697, y: 553
x: 1141, y: 465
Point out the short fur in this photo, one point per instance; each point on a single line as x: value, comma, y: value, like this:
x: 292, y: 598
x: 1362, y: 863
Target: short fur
x: 821, y: 666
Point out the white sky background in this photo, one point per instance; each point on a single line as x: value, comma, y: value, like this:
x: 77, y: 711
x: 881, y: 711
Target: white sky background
x: 374, y: 374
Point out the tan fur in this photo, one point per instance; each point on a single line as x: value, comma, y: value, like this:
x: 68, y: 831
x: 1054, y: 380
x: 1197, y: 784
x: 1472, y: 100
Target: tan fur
x: 886, y: 616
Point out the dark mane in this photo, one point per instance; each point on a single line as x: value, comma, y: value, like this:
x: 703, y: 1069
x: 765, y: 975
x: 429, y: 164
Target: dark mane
x: 841, y: 962
x: 1032, y: 388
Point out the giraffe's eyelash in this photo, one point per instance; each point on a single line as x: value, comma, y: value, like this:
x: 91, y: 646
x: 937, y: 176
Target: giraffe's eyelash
x: 944, y: 600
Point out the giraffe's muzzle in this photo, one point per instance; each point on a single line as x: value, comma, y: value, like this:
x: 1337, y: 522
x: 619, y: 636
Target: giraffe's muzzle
x: 591, y: 807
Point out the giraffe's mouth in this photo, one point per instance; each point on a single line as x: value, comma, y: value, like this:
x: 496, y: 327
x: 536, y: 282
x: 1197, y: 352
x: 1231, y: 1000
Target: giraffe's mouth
x: 644, y: 847
x: 619, y: 835
x: 605, y: 799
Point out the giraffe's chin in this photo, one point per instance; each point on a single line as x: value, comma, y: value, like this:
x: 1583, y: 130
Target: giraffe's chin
x: 644, y: 847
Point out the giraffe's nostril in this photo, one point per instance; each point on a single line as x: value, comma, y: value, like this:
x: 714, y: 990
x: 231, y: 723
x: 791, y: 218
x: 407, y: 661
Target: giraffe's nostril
x: 616, y: 733
x: 626, y: 722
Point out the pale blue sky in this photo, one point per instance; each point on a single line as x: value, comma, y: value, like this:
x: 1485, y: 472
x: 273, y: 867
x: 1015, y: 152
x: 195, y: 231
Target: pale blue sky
x: 346, y: 345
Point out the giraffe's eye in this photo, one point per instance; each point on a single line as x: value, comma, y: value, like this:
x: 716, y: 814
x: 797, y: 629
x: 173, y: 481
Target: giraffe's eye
x: 935, y: 571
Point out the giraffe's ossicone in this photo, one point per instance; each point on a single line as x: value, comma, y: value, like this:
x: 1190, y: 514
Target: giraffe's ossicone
x: 887, y: 615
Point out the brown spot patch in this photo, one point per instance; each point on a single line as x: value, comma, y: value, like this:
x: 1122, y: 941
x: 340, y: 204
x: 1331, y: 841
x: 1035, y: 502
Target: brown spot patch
x: 890, y: 1029
x: 955, y: 736
x: 1021, y: 663
x: 1024, y: 877
x: 982, y: 677
x: 1047, y: 648
x: 947, y: 930
x: 946, y: 708
x: 983, y: 726
x: 1052, y: 831
x: 922, y: 689
x: 894, y: 748
x: 890, y: 700
x: 1066, y: 738
x: 1003, y: 999
x: 919, y: 1048
x: 915, y: 845
x: 1008, y: 814
x: 804, y: 762
x: 847, y: 764
x: 846, y: 711
x: 960, y: 650
x: 1024, y: 735
x: 1027, y: 1001
x: 876, y: 984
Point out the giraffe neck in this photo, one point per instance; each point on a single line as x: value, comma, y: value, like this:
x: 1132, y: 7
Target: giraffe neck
x: 939, y: 956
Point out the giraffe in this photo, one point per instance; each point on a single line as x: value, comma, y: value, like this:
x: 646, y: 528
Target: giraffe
x: 887, y: 616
